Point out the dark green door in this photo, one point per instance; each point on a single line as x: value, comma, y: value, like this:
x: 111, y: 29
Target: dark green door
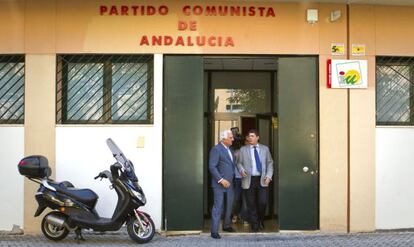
x: 183, y: 143
x: 298, y: 143
x: 264, y: 124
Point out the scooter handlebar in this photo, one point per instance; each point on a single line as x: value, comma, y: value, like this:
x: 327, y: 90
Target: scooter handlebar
x: 101, y: 175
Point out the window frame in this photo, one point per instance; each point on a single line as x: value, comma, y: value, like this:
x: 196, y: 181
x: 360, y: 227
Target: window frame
x: 15, y: 58
x: 63, y: 61
x: 396, y: 61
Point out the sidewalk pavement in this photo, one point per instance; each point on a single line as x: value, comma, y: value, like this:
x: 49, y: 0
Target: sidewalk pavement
x: 377, y: 239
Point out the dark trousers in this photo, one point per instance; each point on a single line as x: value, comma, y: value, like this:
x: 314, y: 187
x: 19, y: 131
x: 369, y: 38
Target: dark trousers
x: 221, y: 195
x: 256, y: 200
x: 239, y: 205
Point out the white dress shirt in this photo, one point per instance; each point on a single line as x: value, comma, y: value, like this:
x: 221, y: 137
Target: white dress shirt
x: 228, y: 151
x: 255, y: 172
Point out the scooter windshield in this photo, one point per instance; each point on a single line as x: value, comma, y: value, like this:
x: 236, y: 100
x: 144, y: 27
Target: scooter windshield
x: 120, y: 157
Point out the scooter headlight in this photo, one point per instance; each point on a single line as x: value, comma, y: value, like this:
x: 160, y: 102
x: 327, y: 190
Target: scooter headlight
x: 140, y: 196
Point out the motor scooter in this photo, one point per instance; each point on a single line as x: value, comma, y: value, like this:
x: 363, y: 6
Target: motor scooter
x: 73, y: 209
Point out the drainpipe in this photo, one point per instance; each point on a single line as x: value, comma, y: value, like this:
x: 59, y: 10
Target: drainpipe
x: 348, y: 128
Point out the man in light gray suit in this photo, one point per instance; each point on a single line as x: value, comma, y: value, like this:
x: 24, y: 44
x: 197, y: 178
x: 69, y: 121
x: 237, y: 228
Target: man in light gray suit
x: 221, y: 165
x: 255, y: 164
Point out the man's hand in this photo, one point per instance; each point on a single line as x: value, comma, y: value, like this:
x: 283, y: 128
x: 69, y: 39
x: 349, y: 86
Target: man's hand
x: 267, y: 181
x: 243, y: 173
x: 225, y: 183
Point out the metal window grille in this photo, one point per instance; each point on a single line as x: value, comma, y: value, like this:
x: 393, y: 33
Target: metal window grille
x: 395, y: 91
x: 104, y: 89
x: 11, y: 89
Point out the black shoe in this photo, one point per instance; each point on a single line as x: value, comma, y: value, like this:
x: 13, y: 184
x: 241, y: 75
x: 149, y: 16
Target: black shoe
x: 255, y: 228
x: 261, y: 225
x: 215, y: 235
x: 228, y: 229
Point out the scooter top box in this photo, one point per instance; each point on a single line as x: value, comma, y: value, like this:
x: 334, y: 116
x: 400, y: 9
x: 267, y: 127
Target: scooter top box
x: 35, y: 166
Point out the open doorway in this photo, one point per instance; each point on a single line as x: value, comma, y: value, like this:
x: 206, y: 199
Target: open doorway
x: 241, y: 92
x: 287, y: 117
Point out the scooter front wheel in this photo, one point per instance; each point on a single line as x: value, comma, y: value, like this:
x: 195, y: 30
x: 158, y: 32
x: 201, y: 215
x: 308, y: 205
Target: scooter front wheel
x: 52, y: 232
x: 138, y: 234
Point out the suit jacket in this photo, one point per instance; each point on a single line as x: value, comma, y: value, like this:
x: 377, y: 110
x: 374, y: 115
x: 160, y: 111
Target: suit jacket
x: 221, y: 165
x: 245, y: 163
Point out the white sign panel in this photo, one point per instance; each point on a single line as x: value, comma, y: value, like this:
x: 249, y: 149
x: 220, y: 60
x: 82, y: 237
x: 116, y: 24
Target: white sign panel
x: 349, y: 74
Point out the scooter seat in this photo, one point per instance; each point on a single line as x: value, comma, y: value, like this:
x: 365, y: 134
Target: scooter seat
x: 64, y: 184
x: 85, y: 196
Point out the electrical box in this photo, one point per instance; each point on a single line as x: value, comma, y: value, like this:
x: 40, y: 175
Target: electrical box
x: 312, y: 16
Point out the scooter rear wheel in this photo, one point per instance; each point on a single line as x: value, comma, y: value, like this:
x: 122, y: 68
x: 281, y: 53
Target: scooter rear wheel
x: 139, y: 235
x: 52, y: 232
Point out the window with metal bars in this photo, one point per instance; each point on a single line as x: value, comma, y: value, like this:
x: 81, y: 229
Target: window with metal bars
x: 104, y: 89
x: 395, y: 90
x: 11, y: 89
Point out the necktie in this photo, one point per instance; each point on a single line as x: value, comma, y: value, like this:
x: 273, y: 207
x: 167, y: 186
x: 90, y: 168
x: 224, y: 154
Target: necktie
x: 257, y: 159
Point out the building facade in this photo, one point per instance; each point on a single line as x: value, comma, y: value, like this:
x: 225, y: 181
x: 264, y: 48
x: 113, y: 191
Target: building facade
x: 150, y: 74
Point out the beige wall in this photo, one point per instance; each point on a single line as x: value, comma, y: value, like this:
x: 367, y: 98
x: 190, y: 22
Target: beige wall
x: 39, y: 124
x: 88, y: 31
x: 394, y: 33
x: 12, y: 23
x: 40, y: 26
x: 58, y: 26
x: 332, y: 130
x: 362, y: 126
x: 43, y: 28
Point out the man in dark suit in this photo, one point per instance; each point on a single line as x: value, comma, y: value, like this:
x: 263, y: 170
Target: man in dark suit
x: 221, y: 166
x: 255, y: 164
